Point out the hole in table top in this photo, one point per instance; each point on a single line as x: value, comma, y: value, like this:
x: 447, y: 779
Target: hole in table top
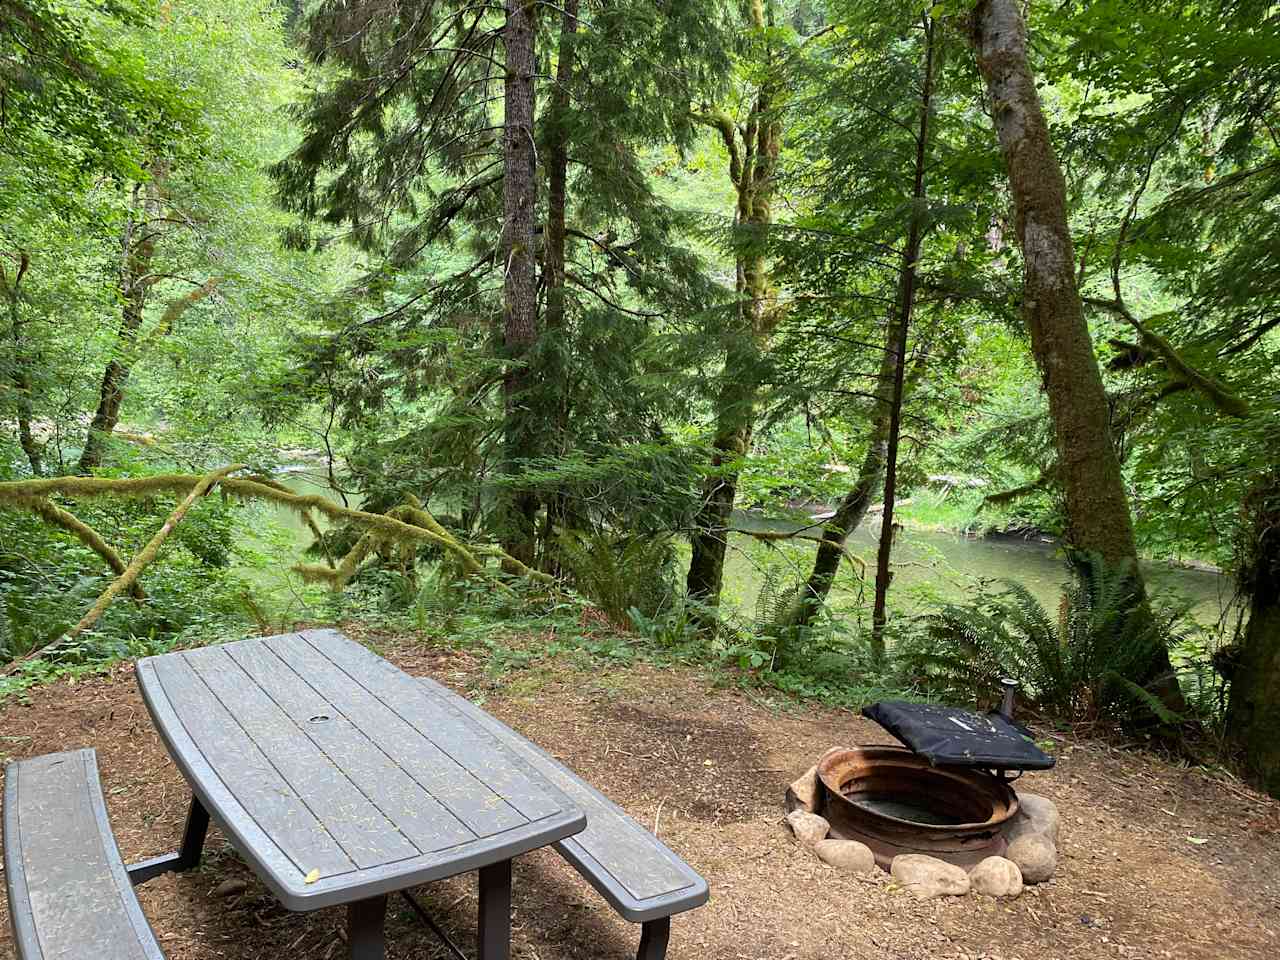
x: 319, y: 718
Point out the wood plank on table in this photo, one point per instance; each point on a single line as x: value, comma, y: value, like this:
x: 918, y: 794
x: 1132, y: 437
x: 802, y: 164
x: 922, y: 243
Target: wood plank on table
x: 246, y: 774
x: 450, y: 785
x: 487, y: 756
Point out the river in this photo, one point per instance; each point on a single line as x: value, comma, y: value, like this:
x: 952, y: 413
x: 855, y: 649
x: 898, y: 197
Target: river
x: 930, y: 565
x: 935, y: 565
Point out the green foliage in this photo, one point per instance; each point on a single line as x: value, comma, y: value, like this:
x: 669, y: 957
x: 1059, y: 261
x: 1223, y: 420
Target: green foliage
x: 48, y: 580
x: 620, y: 574
x: 1088, y: 661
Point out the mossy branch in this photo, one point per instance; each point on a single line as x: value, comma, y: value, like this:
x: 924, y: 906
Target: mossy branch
x: 723, y: 124
x: 130, y: 574
x: 148, y: 553
x: 1212, y: 389
x: 1048, y: 477
x: 56, y: 516
x: 409, y: 523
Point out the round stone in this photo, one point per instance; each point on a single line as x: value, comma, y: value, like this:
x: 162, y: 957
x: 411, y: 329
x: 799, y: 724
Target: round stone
x: 1035, y: 855
x: 996, y: 877
x: 809, y: 828
x: 848, y: 855
x: 928, y: 877
x: 1041, y: 813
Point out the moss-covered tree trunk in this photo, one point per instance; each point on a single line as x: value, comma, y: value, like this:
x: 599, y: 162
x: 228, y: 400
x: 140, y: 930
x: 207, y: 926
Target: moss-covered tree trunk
x: 139, y: 247
x: 1253, y: 715
x: 753, y: 159
x: 1097, y: 504
x: 20, y: 376
x: 519, y: 291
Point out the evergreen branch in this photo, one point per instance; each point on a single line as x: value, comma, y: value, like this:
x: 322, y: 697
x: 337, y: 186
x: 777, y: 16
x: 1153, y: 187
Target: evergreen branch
x: 605, y: 300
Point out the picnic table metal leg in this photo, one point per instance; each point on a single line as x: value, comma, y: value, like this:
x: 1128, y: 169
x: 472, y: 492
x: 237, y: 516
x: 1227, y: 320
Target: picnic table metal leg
x: 193, y: 835
x: 188, y: 855
x: 654, y: 936
x: 366, y: 928
x: 493, y: 937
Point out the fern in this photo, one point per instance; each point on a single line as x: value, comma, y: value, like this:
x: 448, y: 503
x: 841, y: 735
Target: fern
x: 619, y: 574
x: 1085, y: 663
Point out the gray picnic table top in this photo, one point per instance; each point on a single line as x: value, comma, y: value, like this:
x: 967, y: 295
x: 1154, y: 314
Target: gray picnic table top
x: 338, y: 777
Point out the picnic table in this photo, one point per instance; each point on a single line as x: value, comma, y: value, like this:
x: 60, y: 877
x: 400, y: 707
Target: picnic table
x: 339, y: 779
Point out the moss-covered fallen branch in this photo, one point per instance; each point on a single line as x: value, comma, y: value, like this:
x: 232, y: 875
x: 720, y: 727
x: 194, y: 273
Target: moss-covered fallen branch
x: 148, y: 553
x: 139, y: 563
x: 406, y: 525
x: 54, y: 515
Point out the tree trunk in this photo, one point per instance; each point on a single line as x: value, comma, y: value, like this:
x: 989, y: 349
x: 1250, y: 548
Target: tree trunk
x: 854, y: 505
x: 139, y: 247
x: 21, y: 376
x: 1253, y: 715
x: 753, y: 159
x: 556, y: 159
x: 710, y: 538
x: 519, y: 291
x: 1097, y: 504
x: 553, y: 371
x: 898, y: 351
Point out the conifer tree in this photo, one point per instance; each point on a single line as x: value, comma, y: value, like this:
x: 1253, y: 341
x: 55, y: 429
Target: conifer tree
x: 753, y: 144
x: 405, y: 148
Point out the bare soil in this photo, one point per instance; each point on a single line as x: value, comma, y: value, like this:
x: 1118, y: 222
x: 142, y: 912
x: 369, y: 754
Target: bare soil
x: 1156, y: 860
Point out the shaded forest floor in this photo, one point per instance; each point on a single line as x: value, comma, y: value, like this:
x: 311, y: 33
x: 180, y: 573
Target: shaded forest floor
x: 1156, y: 860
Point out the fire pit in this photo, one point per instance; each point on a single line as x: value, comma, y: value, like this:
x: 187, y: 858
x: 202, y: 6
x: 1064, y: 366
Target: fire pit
x: 895, y: 802
x: 936, y: 809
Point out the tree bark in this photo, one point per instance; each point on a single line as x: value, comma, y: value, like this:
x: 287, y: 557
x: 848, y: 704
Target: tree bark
x: 139, y: 247
x: 1253, y: 714
x: 553, y: 372
x: 854, y: 505
x: 21, y: 376
x: 1097, y: 503
x: 898, y: 351
x: 557, y: 163
x: 753, y: 159
x: 1098, y: 516
x: 519, y: 194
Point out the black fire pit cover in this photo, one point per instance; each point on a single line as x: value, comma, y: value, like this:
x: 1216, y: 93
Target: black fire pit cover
x: 960, y: 738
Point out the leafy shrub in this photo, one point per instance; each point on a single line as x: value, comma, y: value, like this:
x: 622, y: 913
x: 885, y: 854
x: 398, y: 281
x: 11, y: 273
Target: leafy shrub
x: 1087, y: 662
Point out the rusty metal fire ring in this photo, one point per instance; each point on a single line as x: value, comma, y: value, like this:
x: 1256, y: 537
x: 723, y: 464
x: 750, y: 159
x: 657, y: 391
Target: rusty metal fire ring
x: 894, y: 801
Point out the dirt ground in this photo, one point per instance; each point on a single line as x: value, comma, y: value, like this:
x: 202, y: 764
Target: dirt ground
x: 1155, y: 860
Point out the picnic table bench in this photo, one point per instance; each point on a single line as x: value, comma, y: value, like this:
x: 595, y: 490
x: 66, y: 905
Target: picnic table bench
x: 339, y: 779
x: 639, y: 875
x: 70, y: 894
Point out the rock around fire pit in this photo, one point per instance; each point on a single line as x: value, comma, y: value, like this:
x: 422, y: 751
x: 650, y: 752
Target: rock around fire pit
x: 938, y: 831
